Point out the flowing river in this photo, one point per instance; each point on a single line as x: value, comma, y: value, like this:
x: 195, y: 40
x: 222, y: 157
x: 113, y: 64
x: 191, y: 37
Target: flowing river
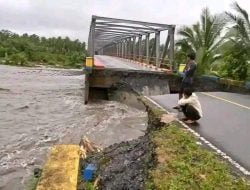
x: 43, y: 107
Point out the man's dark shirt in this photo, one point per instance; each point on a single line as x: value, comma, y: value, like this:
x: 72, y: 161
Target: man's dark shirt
x: 189, y: 72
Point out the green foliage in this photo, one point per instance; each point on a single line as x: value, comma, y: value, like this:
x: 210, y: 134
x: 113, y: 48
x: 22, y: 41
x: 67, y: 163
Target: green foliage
x: 32, y: 183
x: 26, y: 49
x: 89, y: 186
x: 235, y: 64
x: 204, y: 38
x: 236, y: 58
x: 225, y: 56
x: 3, y: 51
x: 76, y: 58
x: 19, y: 58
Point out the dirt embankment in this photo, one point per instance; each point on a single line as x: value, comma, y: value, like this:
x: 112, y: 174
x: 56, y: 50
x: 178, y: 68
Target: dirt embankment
x: 124, y: 165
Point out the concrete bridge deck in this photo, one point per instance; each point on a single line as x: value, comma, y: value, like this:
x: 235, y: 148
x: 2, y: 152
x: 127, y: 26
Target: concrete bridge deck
x: 109, y: 62
x: 225, y: 122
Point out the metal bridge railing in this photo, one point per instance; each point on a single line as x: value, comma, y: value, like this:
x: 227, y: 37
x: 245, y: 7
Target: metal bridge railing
x: 164, y: 64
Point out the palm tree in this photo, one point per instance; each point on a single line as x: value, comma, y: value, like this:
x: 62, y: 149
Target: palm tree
x: 239, y: 34
x: 204, y: 38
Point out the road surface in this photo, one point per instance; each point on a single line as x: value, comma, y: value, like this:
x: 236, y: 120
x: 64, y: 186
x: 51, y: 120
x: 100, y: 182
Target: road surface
x: 225, y: 122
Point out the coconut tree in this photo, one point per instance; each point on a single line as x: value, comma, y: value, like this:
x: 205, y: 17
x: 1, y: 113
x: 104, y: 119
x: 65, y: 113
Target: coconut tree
x: 238, y: 56
x: 240, y: 32
x: 204, y: 38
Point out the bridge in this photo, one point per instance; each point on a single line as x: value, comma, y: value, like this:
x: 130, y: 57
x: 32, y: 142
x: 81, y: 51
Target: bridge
x: 122, y: 53
x: 123, y: 38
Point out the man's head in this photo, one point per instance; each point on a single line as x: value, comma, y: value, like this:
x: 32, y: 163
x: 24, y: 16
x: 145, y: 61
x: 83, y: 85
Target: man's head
x: 187, y: 92
x: 191, y: 56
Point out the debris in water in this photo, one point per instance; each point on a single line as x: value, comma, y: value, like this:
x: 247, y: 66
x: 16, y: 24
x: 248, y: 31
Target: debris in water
x: 87, y: 147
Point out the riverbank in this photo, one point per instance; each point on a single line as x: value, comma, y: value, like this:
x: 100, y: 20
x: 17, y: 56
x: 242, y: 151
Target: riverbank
x: 41, y: 65
x: 40, y: 108
x: 167, y: 157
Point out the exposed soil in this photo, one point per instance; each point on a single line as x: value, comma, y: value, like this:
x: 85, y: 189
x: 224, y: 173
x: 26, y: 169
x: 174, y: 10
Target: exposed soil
x: 123, y: 165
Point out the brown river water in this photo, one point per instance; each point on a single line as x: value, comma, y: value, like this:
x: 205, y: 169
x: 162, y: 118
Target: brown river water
x: 43, y: 107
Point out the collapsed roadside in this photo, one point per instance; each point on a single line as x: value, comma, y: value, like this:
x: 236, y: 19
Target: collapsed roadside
x: 166, y: 157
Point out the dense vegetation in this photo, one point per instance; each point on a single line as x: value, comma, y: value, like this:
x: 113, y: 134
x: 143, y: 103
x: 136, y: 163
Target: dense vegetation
x: 31, y: 50
x: 221, y: 42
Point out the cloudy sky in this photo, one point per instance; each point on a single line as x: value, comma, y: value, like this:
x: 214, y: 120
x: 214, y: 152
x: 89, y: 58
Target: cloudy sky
x: 72, y: 17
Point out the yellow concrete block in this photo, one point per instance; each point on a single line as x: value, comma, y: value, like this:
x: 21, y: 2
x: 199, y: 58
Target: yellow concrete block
x: 89, y: 61
x: 181, y: 67
x: 60, y: 172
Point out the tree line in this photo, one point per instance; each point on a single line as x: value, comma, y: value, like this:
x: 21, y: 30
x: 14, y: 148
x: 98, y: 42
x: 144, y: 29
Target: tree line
x: 221, y: 43
x: 31, y: 50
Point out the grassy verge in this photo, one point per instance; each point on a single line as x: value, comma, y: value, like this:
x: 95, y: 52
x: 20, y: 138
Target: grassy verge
x: 181, y: 163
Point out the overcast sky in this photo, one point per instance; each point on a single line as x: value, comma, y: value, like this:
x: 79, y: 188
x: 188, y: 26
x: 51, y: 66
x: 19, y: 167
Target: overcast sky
x: 72, y: 17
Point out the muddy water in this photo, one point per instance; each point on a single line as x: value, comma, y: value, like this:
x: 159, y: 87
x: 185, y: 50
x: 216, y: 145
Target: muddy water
x: 40, y: 108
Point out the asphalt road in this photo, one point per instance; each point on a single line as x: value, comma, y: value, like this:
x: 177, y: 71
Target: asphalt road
x: 225, y: 122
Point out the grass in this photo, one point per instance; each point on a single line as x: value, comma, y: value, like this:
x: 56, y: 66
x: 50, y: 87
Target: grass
x: 89, y: 186
x: 85, y: 185
x: 32, y: 183
x: 183, y: 164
